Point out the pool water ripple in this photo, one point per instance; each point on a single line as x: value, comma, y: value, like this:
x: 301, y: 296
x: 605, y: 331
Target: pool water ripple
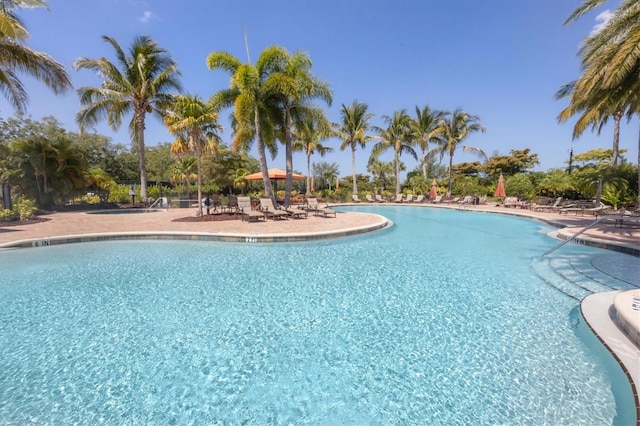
x: 431, y: 322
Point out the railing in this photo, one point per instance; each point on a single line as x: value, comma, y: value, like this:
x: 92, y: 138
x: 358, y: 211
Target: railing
x: 157, y: 201
x: 573, y: 237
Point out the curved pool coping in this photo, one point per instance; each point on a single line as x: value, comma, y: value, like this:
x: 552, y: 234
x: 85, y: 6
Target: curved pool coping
x: 381, y: 224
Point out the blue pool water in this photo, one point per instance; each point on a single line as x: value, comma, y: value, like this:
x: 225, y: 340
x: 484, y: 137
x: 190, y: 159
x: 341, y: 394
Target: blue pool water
x: 441, y: 319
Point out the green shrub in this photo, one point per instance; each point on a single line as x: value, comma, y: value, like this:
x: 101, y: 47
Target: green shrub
x: 25, y: 209
x: 7, y: 215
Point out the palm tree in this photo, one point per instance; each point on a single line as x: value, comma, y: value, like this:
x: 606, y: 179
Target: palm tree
x: 611, y: 64
x: 195, y: 124
x: 426, y: 129
x: 353, y: 132
x: 182, y: 171
x: 456, y: 127
x: 296, y: 87
x: 256, y: 111
x: 381, y: 171
x: 16, y: 58
x: 397, y: 136
x: 310, y: 131
x: 142, y: 85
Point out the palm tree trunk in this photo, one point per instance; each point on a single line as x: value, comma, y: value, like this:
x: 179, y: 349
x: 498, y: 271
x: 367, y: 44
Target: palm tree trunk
x: 262, y: 158
x: 288, y: 155
x: 199, y: 167
x: 616, y: 138
x: 308, y: 173
x: 353, y: 168
x: 638, y: 204
x: 396, y: 160
x: 449, y: 184
x: 143, y: 163
x: 424, y: 165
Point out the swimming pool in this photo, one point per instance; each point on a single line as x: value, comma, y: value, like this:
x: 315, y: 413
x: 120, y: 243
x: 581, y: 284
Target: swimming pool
x: 442, y: 319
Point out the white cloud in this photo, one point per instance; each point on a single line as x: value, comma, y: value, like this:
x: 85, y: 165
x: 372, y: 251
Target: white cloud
x: 602, y: 20
x: 146, y: 16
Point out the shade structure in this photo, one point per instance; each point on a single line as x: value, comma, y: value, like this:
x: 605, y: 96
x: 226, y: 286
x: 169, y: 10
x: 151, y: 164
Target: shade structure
x: 500, y: 192
x: 274, y: 174
x: 313, y: 184
x: 433, y: 192
x: 337, y: 184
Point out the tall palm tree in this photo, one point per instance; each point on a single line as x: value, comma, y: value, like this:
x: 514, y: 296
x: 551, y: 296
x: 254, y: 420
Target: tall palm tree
x: 296, y: 87
x: 16, y: 58
x: 196, y: 126
x: 397, y: 136
x: 456, y: 127
x: 611, y: 63
x: 141, y: 82
x: 256, y: 110
x: 310, y: 131
x: 353, y: 132
x: 426, y: 129
x: 595, y: 110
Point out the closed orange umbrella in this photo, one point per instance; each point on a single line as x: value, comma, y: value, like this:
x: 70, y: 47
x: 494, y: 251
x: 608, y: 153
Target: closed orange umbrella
x: 500, y: 192
x: 337, y: 184
x: 433, y: 192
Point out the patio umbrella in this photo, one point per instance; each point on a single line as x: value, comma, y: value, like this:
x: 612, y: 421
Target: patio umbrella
x: 275, y: 175
x: 313, y: 184
x: 337, y: 184
x: 500, y: 188
x: 433, y: 192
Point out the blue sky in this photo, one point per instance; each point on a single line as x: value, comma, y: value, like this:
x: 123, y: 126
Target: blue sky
x: 502, y: 60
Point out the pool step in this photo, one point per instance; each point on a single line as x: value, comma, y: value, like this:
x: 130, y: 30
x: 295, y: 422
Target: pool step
x: 577, y: 272
x: 543, y: 268
x: 575, y: 276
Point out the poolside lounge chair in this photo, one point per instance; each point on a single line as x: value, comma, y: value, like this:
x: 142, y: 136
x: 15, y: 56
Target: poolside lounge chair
x: 355, y: 198
x: 244, y: 210
x: 437, y: 199
x: 380, y: 199
x: 419, y: 199
x: 466, y: 200
x: 369, y: 198
x: 451, y: 200
x: 409, y: 198
x: 553, y: 208
x: 398, y: 198
x: 510, y: 202
x: 267, y: 207
x: 314, y: 206
x: 296, y: 213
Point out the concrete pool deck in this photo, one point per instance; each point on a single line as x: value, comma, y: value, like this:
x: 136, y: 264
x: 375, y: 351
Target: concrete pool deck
x: 598, y: 309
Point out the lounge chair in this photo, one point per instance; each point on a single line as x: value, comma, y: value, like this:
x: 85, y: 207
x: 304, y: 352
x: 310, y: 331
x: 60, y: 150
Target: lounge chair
x: 451, y: 200
x: 553, y: 208
x: 355, y: 198
x: 314, y: 206
x: 437, y: 199
x: 419, y: 199
x: 380, y: 199
x: 244, y: 210
x: 296, y: 213
x: 398, y: 198
x: 369, y: 198
x: 466, y: 200
x: 510, y: 202
x: 267, y: 207
x: 409, y: 198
